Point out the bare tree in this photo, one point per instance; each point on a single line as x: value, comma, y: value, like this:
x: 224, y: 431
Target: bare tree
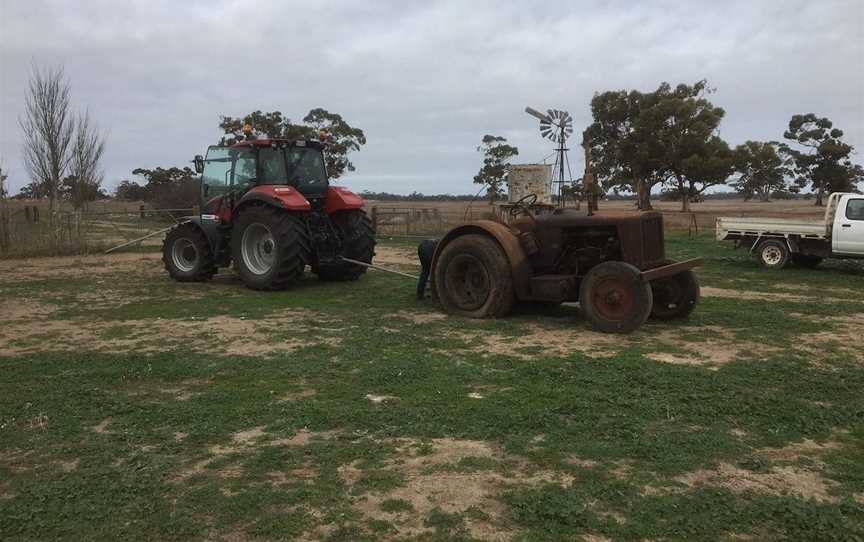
x: 4, y: 211
x: 85, y: 174
x: 48, y: 128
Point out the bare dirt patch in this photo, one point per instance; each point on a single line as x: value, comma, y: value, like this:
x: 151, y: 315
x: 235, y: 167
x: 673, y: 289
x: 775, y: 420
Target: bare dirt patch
x: 779, y: 480
x: 421, y: 317
x: 102, y: 427
x: 27, y: 269
x: 782, y: 477
x: 433, y: 480
x: 391, y: 255
x: 219, y: 334
x: 709, y: 291
x: 552, y: 341
x: 844, y: 335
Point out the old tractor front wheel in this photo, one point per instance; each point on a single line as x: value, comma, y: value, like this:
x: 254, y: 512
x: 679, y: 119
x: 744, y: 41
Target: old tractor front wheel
x: 186, y: 254
x: 473, y: 278
x: 358, y: 243
x: 615, y: 298
x: 675, y: 296
x: 270, y: 247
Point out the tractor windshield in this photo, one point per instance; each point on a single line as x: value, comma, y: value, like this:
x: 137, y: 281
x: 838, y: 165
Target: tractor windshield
x: 300, y: 167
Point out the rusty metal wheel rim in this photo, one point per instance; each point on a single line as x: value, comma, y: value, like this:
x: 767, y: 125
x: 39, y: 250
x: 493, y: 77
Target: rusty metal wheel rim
x: 614, y: 297
x: 468, y: 281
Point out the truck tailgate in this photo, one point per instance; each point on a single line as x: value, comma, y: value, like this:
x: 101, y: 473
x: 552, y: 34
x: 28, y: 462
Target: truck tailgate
x: 740, y: 226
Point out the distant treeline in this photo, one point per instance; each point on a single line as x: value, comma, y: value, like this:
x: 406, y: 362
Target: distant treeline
x: 419, y: 196
x: 416, y: 196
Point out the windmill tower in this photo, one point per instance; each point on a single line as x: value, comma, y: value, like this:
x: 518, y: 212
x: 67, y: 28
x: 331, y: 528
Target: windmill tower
x: 557, y: 126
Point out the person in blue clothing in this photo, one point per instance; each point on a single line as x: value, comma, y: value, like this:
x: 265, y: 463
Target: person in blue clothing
x: 425, y: 251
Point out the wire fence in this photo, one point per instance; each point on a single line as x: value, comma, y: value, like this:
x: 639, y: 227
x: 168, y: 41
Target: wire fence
x: 33, y: 231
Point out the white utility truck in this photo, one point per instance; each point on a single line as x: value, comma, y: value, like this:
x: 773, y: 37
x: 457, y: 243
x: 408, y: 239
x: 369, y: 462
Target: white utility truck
x: 777, y: 241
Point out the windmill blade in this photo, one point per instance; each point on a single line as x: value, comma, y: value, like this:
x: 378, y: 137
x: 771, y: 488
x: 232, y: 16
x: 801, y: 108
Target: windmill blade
x: 536, y: 114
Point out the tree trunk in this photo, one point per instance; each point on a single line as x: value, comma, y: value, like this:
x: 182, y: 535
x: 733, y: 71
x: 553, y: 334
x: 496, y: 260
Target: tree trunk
x: 685, y: 195
x: 643, y: 196
x: 819, y: 193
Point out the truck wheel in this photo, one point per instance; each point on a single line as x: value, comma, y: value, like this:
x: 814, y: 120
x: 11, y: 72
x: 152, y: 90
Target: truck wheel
x: 675, y: 296
x: 473, y: 278
x: 773, y: 254
x: 805, y: 260
x: 615, y: 298
x: 270, y: 247
x: 187, y: 255
x: 358, y: 243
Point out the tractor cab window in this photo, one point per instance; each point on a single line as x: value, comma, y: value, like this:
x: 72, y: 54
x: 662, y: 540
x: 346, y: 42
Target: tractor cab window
x: 306, y: 170
x: 272, y: 166
x: 296, y: 166
x: 217, y: 172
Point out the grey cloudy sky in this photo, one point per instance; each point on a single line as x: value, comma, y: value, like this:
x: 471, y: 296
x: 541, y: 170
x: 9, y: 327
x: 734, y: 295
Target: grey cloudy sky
x: 425, y: 80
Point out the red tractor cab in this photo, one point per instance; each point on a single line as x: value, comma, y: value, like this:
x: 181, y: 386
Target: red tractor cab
x: 268, y: 207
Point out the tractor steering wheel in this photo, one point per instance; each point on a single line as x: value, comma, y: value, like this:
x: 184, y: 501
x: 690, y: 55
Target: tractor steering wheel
x: 523, y: 205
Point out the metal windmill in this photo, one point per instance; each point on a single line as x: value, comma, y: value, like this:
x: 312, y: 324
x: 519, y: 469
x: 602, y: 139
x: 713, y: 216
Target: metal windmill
x: 557, y: 126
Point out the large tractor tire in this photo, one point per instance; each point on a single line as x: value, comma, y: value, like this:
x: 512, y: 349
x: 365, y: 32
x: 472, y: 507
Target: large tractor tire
x: 773, y: 253
x: 473, y: 278
x: 187, y: 255
x: 358, y: 243
x: 675, y: 296
x: 615, y: 298
x: 270, y: 247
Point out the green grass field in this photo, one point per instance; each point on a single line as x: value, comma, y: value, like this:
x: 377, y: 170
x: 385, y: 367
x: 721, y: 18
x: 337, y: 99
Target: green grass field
x: 136, y: 408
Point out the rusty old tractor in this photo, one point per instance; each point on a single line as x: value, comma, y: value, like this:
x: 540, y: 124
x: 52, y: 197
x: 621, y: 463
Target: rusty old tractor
x: 614, y: 265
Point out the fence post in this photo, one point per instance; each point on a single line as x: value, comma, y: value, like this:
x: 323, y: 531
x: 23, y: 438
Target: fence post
x: 141, y: 210
x: 375, y: 219
x: 35, y: 214
x: 27, y: 217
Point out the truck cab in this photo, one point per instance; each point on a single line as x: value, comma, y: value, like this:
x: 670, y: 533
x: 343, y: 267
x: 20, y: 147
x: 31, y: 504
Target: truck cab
x: 847, y: 226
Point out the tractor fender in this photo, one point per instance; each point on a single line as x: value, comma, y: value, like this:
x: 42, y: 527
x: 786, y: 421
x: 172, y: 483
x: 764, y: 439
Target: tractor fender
x: 519, y: 265
x: 340, y: 198
x: 281, y: 196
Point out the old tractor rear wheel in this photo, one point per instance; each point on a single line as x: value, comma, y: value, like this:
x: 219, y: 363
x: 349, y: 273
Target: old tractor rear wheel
x: 675, y: 296
x: 615, y: 298
x: 270, y: 247
x: 187, y: 255
x: 473, y: 278
x: 358, y: 243
x: 773, y: 254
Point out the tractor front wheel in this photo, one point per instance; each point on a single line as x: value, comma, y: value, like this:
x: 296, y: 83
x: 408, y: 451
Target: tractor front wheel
x: 473, y: 278
x: 615, y: 298
x: 675, y: 296
x: 358, y: 243
x: 270, y: 247
x: 187, y: 255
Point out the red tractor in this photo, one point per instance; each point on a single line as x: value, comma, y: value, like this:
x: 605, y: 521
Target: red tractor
x: 268, y: 206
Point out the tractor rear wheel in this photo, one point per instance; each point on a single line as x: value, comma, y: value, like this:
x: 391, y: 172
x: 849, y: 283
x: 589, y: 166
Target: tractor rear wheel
x: 615, y: 298
x: 270, y: 247
x: 187, y: 255
x: 675, y: 296
x: 358, y: 243
x: 473, y: 278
